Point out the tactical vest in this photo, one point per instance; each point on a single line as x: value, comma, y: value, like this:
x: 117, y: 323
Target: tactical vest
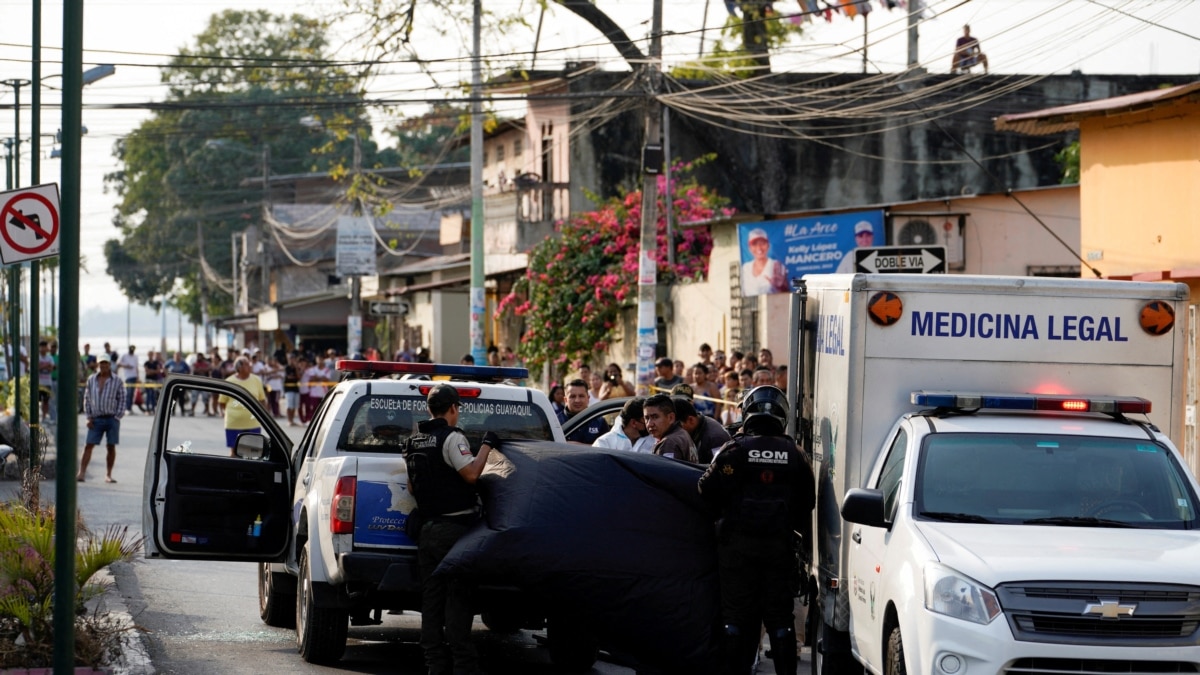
x: 768, y: 468
x: 437, y: 487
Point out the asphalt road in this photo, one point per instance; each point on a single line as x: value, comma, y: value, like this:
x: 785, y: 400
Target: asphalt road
x: 201, y: 617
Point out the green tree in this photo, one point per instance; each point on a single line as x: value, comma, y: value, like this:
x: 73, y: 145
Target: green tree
x: 1068, y: 160
x: 425, y: 139
x: 237, y: 98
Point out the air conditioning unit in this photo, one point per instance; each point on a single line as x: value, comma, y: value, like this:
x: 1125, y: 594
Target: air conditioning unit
x: 911, y: 229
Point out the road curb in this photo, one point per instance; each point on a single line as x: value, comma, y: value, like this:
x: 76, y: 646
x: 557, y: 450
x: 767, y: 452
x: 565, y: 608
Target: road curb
x: 134, y: 658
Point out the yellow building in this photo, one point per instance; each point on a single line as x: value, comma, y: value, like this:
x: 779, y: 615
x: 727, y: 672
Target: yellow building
x: 1139, y: 197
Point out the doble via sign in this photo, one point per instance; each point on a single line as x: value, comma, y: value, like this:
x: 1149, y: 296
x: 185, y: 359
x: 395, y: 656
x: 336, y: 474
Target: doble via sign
x: 388, y: 308
x: 898, y: 259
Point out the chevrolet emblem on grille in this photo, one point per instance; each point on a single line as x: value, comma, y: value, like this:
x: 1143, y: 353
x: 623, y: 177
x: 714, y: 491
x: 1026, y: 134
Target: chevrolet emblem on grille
x: 1109, y: 609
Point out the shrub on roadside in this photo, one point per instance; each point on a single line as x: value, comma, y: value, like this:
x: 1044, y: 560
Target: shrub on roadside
x: 27, y: 589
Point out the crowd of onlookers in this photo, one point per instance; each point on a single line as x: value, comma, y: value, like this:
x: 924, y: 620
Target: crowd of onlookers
x: 295, y: 381
x: 687, y: 412
x: 715, y: 382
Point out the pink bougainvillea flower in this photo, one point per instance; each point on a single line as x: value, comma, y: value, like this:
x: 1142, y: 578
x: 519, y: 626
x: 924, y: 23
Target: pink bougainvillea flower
x: 577, y: 285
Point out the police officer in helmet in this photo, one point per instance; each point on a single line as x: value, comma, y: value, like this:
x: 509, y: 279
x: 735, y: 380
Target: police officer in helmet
x: 441, y: 476
x: 762, y: 488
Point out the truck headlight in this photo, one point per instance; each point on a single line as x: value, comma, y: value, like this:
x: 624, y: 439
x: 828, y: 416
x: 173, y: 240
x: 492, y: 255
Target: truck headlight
x: 952, y: 594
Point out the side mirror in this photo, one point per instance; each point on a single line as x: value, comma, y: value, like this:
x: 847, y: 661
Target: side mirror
x: 251, y: 446
x: 864, y: 507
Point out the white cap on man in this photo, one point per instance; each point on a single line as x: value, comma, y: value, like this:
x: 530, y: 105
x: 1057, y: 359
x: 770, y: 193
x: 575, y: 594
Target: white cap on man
x: 863, y: 226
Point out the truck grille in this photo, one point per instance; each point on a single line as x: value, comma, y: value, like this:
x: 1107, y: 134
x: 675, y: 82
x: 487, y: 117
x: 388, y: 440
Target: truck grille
x: 1112, y: 614
x: 1096, y: 667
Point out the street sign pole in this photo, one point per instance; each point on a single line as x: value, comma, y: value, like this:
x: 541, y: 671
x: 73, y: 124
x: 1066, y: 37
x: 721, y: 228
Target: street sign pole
x: 68, y: 368
x: 33, y: 471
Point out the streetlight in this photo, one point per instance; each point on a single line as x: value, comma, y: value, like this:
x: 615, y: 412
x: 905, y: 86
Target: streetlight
x: 14, y: 280
x: 88, y: 76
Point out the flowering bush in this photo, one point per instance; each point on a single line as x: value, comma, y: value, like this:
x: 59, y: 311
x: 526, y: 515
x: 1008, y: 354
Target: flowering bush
x: 577, y: 283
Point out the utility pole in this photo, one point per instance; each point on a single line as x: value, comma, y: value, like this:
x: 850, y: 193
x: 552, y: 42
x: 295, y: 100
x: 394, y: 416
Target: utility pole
x: 354, y: 322
x: 203, y: 289
x: 15, y: 270
x: 264, y: 264
x: 478, y: 297
x: 914, y: 19
x: 237, y: 298
x: 647, y: 337
x: 68, y: 368
x: 866, y: 38
x: 33, y: 471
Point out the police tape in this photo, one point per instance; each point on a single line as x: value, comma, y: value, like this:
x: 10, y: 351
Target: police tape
x: 160, y: 385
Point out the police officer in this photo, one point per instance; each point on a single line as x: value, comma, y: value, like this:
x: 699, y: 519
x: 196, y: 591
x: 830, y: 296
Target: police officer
x: 763, y: 489
x: 441, y: 477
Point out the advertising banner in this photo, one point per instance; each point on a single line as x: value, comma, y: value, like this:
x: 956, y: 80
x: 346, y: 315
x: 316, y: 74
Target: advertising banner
x: 776, y: 251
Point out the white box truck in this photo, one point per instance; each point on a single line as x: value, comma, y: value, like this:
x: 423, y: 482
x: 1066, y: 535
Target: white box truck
x: 993, y: 497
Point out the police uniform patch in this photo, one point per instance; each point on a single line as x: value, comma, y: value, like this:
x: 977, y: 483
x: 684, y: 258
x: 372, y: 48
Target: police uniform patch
x: 464, y: 449
x: 727, y: 469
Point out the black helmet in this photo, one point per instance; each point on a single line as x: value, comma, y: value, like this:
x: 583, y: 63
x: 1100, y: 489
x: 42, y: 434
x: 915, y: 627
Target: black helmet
x: 765, y: 404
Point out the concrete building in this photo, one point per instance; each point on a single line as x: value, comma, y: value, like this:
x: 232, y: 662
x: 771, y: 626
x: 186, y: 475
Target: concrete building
x: 1139, y: 207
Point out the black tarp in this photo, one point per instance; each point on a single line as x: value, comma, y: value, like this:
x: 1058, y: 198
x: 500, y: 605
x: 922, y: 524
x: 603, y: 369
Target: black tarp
x: 616, y: 539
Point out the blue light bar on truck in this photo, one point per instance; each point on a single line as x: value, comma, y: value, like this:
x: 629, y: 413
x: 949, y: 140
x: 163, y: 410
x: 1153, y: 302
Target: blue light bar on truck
x: 432, y: 369
x: 1122, y: 405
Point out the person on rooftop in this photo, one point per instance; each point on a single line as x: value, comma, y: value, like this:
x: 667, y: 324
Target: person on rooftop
x: 967, y: 54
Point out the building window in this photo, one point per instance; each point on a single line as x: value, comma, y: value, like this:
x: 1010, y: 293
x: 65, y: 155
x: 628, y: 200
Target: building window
x: 500, y: 153
x: 485, y: 157
x: 518, y: 148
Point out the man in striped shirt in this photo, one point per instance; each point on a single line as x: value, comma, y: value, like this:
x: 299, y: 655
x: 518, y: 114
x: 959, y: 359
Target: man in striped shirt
x: 104, y: 406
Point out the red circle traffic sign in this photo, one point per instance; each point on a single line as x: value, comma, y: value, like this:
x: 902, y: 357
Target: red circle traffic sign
x: 10, y: 211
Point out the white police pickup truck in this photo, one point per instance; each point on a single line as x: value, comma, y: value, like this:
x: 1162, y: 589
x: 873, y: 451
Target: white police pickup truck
x: 325, y: 520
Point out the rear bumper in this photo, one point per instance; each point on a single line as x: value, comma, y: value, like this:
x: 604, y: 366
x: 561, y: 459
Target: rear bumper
x: 382, y: 571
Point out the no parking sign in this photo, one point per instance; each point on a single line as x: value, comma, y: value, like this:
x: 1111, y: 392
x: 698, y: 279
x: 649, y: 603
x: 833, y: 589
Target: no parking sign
x: 29, y: 224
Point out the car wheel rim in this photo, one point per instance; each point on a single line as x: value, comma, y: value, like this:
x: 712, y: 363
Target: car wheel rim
x: 302, y: 597
x: 264, y: 585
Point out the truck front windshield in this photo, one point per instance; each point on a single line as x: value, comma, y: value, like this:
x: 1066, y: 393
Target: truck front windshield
x: 1053, y: 480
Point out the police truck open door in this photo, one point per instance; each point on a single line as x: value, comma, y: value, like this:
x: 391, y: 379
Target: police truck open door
x: 198, y: 502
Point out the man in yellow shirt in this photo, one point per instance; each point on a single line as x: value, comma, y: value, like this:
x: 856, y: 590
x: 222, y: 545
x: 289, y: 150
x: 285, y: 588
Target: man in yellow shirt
x: 238, y: 419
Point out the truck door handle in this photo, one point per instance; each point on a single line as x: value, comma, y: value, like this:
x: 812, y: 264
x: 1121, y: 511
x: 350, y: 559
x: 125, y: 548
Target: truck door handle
x: 857, y: 536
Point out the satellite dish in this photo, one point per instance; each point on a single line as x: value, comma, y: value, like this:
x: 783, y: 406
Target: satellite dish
x: 917, y: 232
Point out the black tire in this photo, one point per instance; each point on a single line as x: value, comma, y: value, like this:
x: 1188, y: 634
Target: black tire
x: 320, y: 632
x: 276, y: 597
x: 572, y: 647
x: 895, y: 654
x: 502, y: 623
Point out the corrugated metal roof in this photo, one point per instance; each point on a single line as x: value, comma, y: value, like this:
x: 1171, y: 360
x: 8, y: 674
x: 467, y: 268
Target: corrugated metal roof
x: 1066, y: 117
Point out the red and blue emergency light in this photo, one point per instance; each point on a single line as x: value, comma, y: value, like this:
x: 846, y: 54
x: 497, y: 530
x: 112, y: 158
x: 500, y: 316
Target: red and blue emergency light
x: 488, y: 373
x: 1112, y: 405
